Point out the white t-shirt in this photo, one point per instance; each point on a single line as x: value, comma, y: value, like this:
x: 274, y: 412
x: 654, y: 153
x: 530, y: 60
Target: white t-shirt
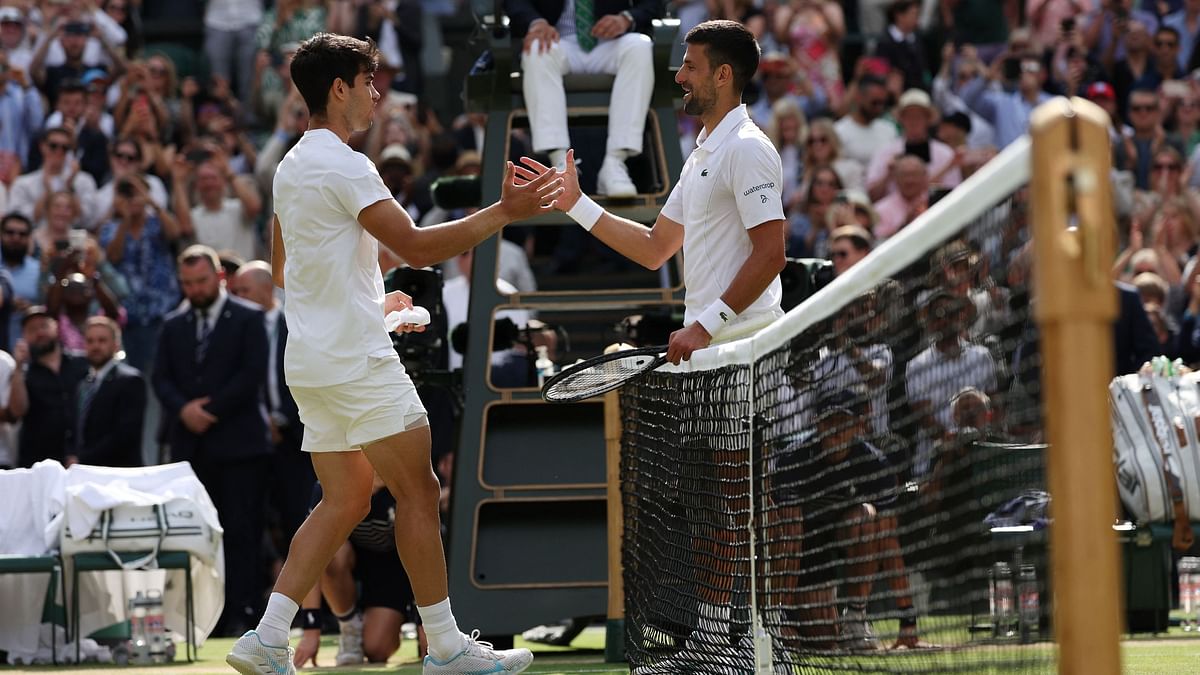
x: 334, y: 289
x: 8, y: 455
x: 932, y: 376
x: 835, y: 372
x: 860, y: 143
x: 226, y: 229
x: 730, y: 183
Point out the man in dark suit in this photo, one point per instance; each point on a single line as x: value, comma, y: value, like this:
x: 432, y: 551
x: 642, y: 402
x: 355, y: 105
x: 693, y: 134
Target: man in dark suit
x: 899, y: 45
x: 1134, y: 341
x: 110, y: 404
x: 587, y: 36
x: 292, y: 476
x: 208, y: 375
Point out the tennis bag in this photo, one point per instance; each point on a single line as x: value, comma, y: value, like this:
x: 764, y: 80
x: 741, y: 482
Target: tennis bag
x: 1156, y: 449
x: 174, y: 525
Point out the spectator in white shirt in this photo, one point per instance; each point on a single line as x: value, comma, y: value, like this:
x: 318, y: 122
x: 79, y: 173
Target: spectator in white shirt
x: 864, y: 130
x: 916, y: 115
x: 59, y: 172
x: 220, y: 221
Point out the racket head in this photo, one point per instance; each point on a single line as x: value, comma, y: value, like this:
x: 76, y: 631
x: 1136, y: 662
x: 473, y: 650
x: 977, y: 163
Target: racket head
x: 601, y: 374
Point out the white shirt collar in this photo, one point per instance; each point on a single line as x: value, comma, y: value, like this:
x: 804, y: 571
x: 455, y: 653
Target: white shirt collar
x: 897, y: 35
x: 732, y: 120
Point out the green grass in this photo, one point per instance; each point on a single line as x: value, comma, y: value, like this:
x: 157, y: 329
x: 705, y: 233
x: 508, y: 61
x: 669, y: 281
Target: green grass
x: 1176, y: 652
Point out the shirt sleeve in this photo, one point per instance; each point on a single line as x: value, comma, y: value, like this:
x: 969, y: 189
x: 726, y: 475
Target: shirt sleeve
x: 357, y: 192
x: 7, y: 366
x: 673, y: 209
x: 756, y: 178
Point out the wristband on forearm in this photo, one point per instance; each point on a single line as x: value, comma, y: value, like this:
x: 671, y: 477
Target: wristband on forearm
x: 586, y: 212
x: 716, y: 316
x: 310, y: 618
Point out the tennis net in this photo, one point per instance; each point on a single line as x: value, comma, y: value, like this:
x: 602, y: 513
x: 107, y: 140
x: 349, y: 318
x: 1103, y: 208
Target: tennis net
x: 859, y: 487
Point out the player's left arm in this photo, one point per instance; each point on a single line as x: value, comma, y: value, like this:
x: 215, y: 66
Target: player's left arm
x: 755, y: 275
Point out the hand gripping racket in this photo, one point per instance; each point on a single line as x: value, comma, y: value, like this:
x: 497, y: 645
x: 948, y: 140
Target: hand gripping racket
x: 602, y: 373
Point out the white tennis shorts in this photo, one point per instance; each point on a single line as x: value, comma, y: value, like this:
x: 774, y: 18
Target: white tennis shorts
x: 350, y: 415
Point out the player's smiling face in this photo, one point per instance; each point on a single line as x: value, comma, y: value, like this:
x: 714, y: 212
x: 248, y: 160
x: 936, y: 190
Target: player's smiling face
x: 695, y: 77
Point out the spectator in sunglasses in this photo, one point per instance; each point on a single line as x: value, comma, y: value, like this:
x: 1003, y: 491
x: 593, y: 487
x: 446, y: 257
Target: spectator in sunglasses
x: 59, y: 172
x: 125, y: 160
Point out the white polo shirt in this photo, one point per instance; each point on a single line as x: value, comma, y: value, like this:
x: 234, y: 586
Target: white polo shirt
x: 334, y: 289
x: 730, y: 183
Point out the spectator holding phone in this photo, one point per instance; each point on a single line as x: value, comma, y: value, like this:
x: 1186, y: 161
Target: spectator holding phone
x: 1050, y: 20
x: 138, y: 243
x: 916, y: 114
x: 125, y: 159
x: 72, y: 33
x: 52, y: 239
x: 1007, y: 111
x: 220, y: 221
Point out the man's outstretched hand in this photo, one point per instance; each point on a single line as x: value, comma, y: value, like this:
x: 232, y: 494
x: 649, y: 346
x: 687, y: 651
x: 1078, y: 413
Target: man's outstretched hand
x: 533, y: 169
x: 527, y: 198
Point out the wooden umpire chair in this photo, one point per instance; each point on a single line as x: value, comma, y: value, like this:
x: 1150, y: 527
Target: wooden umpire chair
x: 497, y: 91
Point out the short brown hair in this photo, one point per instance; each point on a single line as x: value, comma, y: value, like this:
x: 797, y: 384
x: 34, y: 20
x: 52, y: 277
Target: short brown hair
x: 197, y: 252
x: 325, y: 57
x: 108, y: 323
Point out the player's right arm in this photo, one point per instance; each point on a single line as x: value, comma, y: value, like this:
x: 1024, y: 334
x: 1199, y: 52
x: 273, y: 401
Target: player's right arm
x: 422, y: 246
x: 278, y: 255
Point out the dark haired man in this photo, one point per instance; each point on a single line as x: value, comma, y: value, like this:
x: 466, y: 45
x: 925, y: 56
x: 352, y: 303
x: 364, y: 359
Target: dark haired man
x: 726, y: 213
x: 208, y: 373
x: 24, y: 268
x: 361, y: 412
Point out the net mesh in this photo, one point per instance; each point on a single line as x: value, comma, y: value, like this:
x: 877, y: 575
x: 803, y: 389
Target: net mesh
x: 861, y: 484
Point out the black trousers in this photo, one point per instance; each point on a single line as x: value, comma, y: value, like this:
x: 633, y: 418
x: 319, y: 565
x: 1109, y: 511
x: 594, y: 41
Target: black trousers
x: 238, y: 489
x: 292, y: 479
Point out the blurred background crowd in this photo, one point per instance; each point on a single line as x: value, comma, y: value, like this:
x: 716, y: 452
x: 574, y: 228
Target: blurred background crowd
x: 131, y: 130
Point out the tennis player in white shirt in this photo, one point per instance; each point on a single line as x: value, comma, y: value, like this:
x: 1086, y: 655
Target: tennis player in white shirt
x: 360, y: 410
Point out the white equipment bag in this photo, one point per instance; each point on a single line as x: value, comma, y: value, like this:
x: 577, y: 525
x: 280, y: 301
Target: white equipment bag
x: 1156, y: 449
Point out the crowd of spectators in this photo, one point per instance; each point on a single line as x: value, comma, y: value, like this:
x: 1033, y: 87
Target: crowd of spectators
x: 119, y: 154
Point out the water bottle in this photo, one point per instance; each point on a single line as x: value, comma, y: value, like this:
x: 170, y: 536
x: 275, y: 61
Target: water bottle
x: 1030, y: 610
x: 139, y: 651
x: 1189, y: 592
x: 156, y: 632
x: 1001, y: 600
x: 545, y: 367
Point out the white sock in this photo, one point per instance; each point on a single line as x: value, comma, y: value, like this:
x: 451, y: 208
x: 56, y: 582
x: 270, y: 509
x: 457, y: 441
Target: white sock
x: 558, y: 157
x: 441, y: 630
x: 277, y: 620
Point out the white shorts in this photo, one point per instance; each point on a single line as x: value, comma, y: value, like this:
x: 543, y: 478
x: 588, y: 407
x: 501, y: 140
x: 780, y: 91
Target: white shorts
x: 350, y: 415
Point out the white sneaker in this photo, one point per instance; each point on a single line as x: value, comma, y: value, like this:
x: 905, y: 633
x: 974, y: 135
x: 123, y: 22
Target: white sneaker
x: 250, y: 656
x: 857, y: 634
x: 350, y: 642
x: 613, y: 179
x: 479, y: 657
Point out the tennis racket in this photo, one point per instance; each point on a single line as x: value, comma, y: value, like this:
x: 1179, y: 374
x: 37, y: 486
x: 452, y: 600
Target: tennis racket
x: 602, y: 373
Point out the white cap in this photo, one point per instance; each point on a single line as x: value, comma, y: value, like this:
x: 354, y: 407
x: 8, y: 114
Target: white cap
x: 395, y: 151
x: 914, y: 98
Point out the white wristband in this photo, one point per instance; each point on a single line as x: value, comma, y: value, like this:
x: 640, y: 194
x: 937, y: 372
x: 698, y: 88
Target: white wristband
x: 586, y: 212
x: 715, y: 317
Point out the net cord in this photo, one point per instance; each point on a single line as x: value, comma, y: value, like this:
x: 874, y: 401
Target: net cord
x: 1007, y: 173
